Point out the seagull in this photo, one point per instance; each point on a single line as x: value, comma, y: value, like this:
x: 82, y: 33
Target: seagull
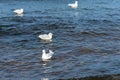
x: 47, y: 56
x: 46, y: 36
x: 18, y: 11
x: 74, y: 5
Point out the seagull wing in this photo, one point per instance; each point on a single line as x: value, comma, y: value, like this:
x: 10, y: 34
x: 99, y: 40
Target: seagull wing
x: 15, y: 11
x: 48, y: 56
x: 43, y: 36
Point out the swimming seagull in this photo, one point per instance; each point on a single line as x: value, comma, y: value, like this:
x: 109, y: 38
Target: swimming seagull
x: 18, y: 11
x: 74, y: 5
x: 46, y: 36
x: 47, y: 56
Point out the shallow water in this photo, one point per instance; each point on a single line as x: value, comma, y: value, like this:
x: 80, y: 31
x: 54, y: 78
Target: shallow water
x: 86, y: 41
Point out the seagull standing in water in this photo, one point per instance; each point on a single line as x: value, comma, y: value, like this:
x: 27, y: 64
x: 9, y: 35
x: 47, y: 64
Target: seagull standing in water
x: 18, y: 11
x: 46, y: 36
x: 47, y: 56
x: 74, y: 5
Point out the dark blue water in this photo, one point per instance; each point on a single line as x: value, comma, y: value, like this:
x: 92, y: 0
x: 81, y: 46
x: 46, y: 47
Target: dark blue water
x: 86, y: 41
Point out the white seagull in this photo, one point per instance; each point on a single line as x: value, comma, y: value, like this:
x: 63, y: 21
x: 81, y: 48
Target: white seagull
x: 18, y: 11
x: 74, y: 5
x: 46, y: 36
x: 47, y: 56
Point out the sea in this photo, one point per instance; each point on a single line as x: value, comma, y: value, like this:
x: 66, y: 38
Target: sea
x: 86, y: 40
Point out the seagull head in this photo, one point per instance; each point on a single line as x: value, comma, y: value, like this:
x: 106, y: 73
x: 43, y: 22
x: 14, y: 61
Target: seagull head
x: 76, y: 2
x: 50, y: 34
x: 21, y: 8
x: 43, y: 51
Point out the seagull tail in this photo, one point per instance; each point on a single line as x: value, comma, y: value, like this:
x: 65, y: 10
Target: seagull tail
x: 51, y: 52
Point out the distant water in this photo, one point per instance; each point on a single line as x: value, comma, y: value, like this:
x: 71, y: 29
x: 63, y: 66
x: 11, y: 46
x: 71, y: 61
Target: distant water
x: 86, y: 41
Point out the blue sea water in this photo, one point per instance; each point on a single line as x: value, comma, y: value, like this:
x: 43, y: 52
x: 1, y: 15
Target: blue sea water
x: 86, y: 40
